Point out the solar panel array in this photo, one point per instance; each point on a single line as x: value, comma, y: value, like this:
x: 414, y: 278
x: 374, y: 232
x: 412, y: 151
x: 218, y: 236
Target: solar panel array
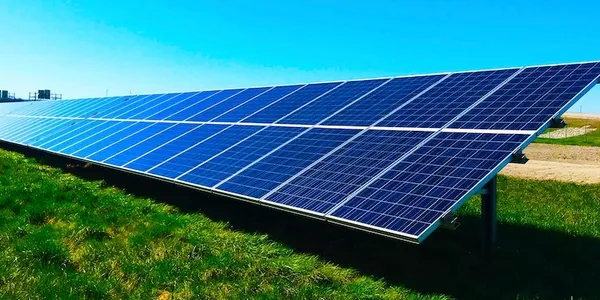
x: 391, y: 155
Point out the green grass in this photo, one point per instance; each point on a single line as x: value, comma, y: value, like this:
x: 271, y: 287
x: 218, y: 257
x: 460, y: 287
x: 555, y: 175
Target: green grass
x: 589, y: 139
x: 64, y: 237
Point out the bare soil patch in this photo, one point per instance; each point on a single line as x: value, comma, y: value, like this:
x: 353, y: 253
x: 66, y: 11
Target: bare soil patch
x: 581, y: 116
x: 568, y: 132
x: 576, y: 164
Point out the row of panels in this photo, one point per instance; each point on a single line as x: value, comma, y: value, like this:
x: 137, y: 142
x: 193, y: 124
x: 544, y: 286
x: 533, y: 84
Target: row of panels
x: 511, y: 99
x: 397, y: 181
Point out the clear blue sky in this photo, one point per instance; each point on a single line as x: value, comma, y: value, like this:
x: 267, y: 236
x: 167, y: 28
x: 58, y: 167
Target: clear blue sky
x: 81, y: 48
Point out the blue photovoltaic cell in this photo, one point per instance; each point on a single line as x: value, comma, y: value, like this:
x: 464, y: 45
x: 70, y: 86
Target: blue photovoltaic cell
x: 59, y: 108
x: 138, y: 149
x: 31, y: 110
x: 46, y: 140
x: 6, y: 125
x: 530, y: 99
x: 46, y: 131
x: 124, y: 105
x: 323, y: 107
x: 81, y: 141
x: 227, y: 163
x: 171, y: 102
x: 28, y: 128
x: 73, y: 107
x: 182, y: 105
x: 76, y: 108
x: 156, y: 150
x: 269, y: 172
x: 200, y: 106
x: 146, y: 103
x: 257, y: 103
x: 190, y: 158
x: 332, y: 180
x: 96, y: 106
x: 107, y: 139
x: 17, y: 126
x: 428, y: 183
x: 382, y: 101
x: 13, y: 107
x: 145, y: 113
x: 129, y: 141
x: 286, y: 105
x: 446, y: 100
x: 230, y: 103
x: 76, y: 133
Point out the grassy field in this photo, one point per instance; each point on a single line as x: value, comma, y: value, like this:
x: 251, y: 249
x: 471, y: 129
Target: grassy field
x: 65, y: 237
x: 590, y: 139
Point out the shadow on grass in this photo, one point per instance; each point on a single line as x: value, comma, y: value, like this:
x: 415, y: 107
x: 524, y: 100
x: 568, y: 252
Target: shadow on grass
x: 530, y: 262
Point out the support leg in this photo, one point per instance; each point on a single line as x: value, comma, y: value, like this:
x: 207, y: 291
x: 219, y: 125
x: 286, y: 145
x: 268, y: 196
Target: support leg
x: 488, y: 216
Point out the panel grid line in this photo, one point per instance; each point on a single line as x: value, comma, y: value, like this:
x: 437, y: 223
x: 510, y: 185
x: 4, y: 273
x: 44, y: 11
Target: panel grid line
x: 282, y: 145
x: 175, y: 123
x: 191, y: 147
x: 376, y: 177
x: 364, y: 130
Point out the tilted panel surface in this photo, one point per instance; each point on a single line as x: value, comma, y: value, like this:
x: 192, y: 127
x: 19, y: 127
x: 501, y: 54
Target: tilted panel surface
x: 382, y: 101
x: 186, y: 160
x: 323, y: 107
x: 424, y: 186
x: 198, y: 107
x: 136, y: 149
x: 129, y: 142
x: 531, y: 98
x: 230, y: 103
x: 286, y: 161
x: 162, y: 151
x: 247, y: 109
x: 330, y: 181
x: 239, y: 156
x: 447, y: 99
x: 289, y: 104
x: 175, y: 108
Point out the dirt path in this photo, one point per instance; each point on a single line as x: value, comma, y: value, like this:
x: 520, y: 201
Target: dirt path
x: 550, y: 170
x: 569, y: 154
x: 581, y: 116
x: 556, y: 162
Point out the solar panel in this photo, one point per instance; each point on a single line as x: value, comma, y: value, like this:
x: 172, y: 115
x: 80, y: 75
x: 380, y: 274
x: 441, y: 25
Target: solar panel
x: 199, y: 107
x: 421, y: 188
x: 134, y: 149
x: 246, y: 109
x: 324, y: 184
x: 531, y: 98
x: 384, y: 100
x: 126, y: 142
x: 238, y: 156
x: 315, y: 111
x: 282, y: 163
x: 157, y: 151
x: 392, y: 156
x: 287, y: 105
x: 446, y: 100
x: 166, y: 111
x: 174, y: 166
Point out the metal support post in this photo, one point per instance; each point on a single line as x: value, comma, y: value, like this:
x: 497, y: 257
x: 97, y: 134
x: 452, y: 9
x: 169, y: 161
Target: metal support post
x: 488, y: 217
